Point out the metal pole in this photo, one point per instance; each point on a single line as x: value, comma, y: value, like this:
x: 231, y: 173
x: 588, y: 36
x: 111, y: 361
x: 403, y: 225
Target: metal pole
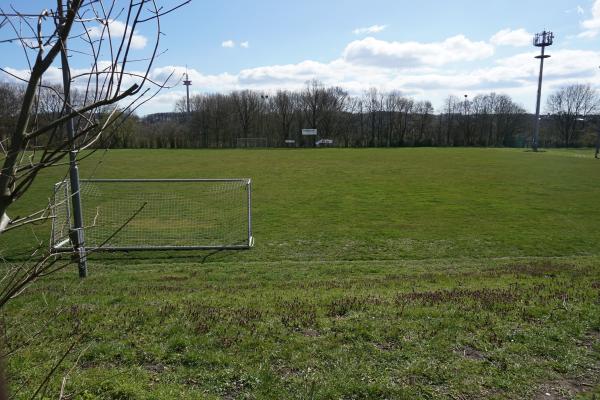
x: 187, y: 83
x: 187, y: 88
x: 466, y: 119
x: 536, y: 131
x: 597, y: 145
x: 250, y: 238
x: 76, y: 234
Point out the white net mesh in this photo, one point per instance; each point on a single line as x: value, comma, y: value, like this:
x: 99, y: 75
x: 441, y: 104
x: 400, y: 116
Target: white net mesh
x: 251, y: 142
x: 62, y: 216
x: 166, y: 213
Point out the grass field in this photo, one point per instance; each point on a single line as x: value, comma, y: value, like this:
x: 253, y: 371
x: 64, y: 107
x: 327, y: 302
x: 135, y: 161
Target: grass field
x: 404, y: 273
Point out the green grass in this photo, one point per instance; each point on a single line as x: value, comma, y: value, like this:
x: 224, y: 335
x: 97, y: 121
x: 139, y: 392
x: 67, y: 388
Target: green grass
x: 404, y: 273
x: 334, y: 204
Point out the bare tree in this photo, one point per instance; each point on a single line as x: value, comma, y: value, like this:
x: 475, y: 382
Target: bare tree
x: 56, y: 121
x: 373, y: 100
x: 391, y: 110
x: 495, y: 119
x: 313, y: 100
x: 105, y: 83
x: 352, y: 107
x: 423, y: 111
x: 248, y: 106
x: 333, y: 104
x: 9, y: 107
x: 284, y: 112
x: 451, y: 114
x: 508, y: 120
x: 569, y: 106
x: 482, y: 114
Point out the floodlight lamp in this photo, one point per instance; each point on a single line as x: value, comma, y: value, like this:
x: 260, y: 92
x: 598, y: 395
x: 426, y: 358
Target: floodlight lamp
x: 543, y: 39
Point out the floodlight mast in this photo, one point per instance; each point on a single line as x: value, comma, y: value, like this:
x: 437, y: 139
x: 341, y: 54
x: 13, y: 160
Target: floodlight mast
x: 542, y: 40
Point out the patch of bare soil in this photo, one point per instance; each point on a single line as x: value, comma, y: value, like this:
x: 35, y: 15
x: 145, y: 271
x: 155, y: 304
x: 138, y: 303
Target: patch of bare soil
x: 569, y: 388
x: 564, y: 389
x: 471, y: 354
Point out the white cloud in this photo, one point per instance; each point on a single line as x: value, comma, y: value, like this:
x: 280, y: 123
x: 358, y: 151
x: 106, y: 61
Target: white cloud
x: 53, y: 76
x: 228, y: 44
x: 515, y: 75
x: 218, y: 82
x: 302, y: 72
x: 592, y: 26
x: 510, y: 37
x: 426, y: 78
x: 369, y: 30
x: 118, y: 29
x: 374, y: 52
x: 245, y: 45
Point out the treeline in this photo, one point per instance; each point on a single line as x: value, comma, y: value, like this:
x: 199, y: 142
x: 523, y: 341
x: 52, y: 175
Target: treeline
x: 374, y: 119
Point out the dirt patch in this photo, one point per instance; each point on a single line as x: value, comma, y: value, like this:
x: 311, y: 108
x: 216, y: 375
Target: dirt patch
x: 311, y: 333
x: 235, y: 390
x: 156, y: 368
x: 568, y: 388
x: 562, y: 389
x: 590, y: 340
x: 288, y: 372
x: 540, y: 269
x: 387, y: 346
x: 471, y: 354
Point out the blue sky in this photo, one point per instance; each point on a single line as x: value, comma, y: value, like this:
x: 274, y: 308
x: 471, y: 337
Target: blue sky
x: 427, y: 49
x: 282, y: 32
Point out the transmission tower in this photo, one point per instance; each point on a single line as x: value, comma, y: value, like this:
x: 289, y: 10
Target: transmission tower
x: 187, y: 83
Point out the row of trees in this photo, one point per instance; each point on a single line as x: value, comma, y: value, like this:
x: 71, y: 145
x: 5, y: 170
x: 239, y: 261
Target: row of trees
x: 374, y: 119
x: 573, y: 109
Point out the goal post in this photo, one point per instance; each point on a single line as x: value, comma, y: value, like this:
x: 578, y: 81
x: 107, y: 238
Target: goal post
x: 251, y: 142
x: 157, y: 214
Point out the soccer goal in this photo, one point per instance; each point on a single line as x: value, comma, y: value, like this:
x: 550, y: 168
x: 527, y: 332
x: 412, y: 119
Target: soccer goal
x: 156, y: 214
x: 248, y: 142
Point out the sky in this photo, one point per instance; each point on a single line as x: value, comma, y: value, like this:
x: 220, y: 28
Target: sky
x: 426, y: 49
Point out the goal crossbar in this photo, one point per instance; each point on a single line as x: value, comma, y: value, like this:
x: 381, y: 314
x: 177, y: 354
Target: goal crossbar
x: 252, y: 142
x: 156, y: 214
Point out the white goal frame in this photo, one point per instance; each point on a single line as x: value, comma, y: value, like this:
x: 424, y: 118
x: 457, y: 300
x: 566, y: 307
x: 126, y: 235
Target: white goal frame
x: 61, y: 242
x: 252, y: 142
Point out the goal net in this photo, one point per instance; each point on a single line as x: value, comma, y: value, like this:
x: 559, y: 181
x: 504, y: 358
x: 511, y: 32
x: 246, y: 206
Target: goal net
x: 251, y: 142
x: 157, y: 214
